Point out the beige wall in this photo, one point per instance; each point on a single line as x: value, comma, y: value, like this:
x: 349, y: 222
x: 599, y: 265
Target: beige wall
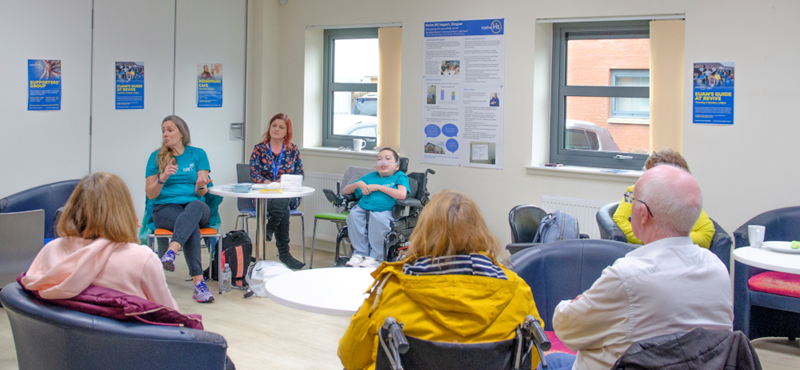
x: 731, y: 163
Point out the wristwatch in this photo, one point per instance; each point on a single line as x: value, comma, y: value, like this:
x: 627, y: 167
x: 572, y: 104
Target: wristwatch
x: 158, y: 179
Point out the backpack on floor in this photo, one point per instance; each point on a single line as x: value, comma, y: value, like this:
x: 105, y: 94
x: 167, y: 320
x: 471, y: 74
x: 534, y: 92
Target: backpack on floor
x: 237, y: 251
x: 555, y: 227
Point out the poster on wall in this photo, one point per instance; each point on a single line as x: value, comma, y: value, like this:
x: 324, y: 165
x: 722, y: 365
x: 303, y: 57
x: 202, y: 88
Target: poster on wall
x: 462, y: 92
x: 44, y: 84
x: 130, y: 85
x: 209, y: 85
x: 713, y: 93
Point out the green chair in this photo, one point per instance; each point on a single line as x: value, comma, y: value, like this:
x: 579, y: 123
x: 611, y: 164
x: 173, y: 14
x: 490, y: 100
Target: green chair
x: 338, y: 218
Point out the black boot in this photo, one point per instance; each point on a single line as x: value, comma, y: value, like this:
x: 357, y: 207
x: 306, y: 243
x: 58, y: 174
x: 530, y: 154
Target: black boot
x: 282, y: 242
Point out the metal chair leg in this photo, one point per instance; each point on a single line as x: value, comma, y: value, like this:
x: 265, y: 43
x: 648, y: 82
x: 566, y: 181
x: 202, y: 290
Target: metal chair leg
x: 313, y: 239
x: 219, y: 261
x: 303, y: 235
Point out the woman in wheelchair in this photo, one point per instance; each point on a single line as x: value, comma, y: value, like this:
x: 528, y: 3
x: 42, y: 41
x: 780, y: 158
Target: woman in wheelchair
x: 370, y: 220
x: 449, y: 288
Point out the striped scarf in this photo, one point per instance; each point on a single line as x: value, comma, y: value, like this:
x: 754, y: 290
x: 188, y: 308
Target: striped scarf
x: 464, y: 264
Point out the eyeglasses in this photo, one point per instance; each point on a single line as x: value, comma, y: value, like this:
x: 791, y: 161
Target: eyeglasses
x: 645, y: 205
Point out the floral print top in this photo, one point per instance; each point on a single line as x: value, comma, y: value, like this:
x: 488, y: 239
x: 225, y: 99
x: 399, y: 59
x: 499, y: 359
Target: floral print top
x: 261, y: 162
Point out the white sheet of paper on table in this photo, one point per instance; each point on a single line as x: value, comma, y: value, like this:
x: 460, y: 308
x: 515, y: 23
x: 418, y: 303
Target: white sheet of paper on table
x: 292, y: 182
x: 480, y: 152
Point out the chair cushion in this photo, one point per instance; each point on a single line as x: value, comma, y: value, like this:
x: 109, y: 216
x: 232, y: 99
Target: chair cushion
x: 557, y: 344
x: 774, y: 282
x: 295, y: 212
x: 249, y: 211
x: 203, y: 231
x: 332, y: 216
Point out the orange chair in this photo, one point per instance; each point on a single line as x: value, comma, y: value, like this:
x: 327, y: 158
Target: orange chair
x: 206, y: 232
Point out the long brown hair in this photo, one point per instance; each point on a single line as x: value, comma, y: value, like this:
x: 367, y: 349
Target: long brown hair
x: 100, y: 207
x: 165, y: 155
x: 451, y: 224
x: 286, y: 140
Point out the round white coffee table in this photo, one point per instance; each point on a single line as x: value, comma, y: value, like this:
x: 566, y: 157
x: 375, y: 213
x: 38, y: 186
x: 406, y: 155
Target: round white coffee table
x: 336, y: 291
x: 768, y: 259
x: 261, y: 209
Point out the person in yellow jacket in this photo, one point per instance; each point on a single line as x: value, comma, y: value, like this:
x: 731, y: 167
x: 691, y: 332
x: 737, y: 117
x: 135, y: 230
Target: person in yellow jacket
x: 703, y: 230
x: 470, y: 299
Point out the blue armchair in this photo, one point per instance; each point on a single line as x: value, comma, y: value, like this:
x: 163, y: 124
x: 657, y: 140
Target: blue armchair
x: 48, y: 197
x: 720, y: 243
x: 562, y: 270
x: 53, y: 337
x: 761, y: 314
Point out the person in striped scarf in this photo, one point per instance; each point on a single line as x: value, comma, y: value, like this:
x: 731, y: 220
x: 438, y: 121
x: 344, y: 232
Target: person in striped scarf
x: 448, y: 288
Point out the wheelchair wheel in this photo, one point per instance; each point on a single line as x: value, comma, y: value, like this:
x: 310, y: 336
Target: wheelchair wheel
x: 341, y: 238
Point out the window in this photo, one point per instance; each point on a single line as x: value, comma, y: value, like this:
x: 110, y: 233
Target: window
x: 600, y: 94
x: 630, y: 107
x: 350, y: 105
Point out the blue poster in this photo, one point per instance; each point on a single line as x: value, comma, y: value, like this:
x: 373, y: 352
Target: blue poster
x: 44, y: 84
x: 713, y: 93
x: 130, y: 85
x: 209, y: 85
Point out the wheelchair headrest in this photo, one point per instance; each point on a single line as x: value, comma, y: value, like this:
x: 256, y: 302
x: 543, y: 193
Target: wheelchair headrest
x: 403, y: 164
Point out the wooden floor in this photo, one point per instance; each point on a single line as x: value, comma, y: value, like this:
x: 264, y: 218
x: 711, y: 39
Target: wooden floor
x: 262, y: 334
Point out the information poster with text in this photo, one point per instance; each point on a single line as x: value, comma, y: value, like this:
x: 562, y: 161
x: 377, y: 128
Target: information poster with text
x: 44, y: 84
x: 462, y: 93
x: 713, y: 93
x: 209, y: 85
x: 130, y: 85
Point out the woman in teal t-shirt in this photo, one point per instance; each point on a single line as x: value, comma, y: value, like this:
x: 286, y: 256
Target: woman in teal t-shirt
x: 377, y: 192
x: 177, y: 179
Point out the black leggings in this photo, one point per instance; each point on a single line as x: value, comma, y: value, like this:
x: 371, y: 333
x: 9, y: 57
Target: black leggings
x: 185, y: 221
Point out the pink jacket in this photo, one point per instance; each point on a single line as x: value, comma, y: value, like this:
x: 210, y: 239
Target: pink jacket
x: 65, y: 267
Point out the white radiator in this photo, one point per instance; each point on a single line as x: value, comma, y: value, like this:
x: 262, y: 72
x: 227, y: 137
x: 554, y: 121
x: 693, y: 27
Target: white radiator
x: 317, y: 203
x: 584, y: 210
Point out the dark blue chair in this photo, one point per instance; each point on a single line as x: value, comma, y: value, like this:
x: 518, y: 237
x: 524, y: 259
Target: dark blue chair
x: 51, y: 337
x: 562, y: 270
x: 48, y: 197
x: 760, y: 314
x: 720, y: 242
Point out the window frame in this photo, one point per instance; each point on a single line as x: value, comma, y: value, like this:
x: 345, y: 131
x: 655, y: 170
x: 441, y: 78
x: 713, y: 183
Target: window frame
x: 634, y: 73
x: 562, y: 33
x: 329, y: 86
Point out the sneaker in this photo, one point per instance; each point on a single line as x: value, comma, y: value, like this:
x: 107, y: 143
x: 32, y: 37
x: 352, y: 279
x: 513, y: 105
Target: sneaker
x: 202, y: 294
x: 355, y: 261
x: 370, y: 262
x: 168, y: 261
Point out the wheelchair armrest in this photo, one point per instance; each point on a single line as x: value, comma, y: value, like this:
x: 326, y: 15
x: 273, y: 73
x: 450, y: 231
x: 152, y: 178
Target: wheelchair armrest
x: 349, y: 197
x: 408, y: 202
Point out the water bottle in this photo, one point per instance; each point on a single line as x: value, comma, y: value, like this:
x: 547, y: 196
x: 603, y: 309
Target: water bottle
x: 226, y: 278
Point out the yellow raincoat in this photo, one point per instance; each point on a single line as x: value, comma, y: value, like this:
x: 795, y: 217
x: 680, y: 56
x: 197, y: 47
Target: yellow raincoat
x: 445, y: 308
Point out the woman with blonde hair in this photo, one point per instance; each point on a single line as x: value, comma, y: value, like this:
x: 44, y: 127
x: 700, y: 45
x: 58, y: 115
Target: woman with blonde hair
x: 176, y: 181
x: 98, y: 245
x: 449, y: 288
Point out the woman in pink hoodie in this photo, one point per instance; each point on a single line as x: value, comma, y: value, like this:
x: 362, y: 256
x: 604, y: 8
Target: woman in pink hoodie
x: 98, y: 245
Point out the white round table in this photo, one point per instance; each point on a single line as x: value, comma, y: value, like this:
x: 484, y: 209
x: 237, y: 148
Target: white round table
x: 261, y: 209
x: 768, y: 259
x: 336, y: 291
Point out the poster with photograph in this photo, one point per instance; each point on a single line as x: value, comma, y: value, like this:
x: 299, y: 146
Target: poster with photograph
x: 462, y: 82
x: 713, y: 85
x: 209, y: 85
x: 44, y: 84
x: 130, y: 85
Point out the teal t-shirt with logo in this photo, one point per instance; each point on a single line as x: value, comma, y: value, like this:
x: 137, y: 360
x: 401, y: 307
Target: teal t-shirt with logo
x: 179, y: 188
x: 377, y: 200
